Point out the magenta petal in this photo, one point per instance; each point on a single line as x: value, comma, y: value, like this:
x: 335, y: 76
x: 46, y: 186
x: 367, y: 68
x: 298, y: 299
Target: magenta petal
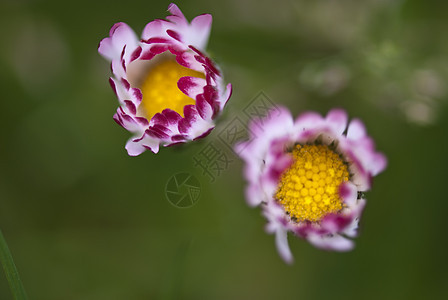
x: 171, y: 116
x: 130, y: 106
x: 174, y: 35
x: 125, y: 83
x: 147, y: 55
x: 348, y: 193
x: 113, y: 86
x: 142, y: 121
x: 182, y: 60
x: 178, y: 137
x: 211, y: 66
x: 127, y: 118
x: 190, y: 112
x: 184, y: 126
x: 118, y: 120
x: 155, y: 40
x: 138, y: 96
x: 201, y: 55
x: 210, y: 94
x: 203, y: 107
x: 157, y: 49
x: 335, y: 223
x: 158, y: 131
x: 191, y: 86
x: 205, y: 134
x: 185, y: 84
x: 136, y: 53
x: 175, y: 50
x: 159, y: 119
x: 174, y: 144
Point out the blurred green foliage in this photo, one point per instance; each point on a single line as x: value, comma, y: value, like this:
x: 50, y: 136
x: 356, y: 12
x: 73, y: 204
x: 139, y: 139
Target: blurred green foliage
x: 85, y: 221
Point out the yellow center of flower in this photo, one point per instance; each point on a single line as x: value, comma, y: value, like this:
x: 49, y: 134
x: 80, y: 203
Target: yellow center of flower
x: 309, y: 188
x: 160, y: 89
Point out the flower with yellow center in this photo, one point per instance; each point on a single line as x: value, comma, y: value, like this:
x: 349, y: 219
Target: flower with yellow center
x: 309, y: 176
x: 169, y: 90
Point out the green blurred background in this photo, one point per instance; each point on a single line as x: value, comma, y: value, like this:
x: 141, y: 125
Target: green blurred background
x: 86, y: 221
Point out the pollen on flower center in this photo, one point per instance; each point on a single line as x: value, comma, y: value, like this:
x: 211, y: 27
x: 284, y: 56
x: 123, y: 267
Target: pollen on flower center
x: 309, y: 189
x: 160, y: 89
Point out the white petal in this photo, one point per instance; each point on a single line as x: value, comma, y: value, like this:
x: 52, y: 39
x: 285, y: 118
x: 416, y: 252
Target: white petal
x: 134, y: 148
x: 349, y: 193
x: 335, y: 242
x: 352, y: 229
x: 337, y: 118
x: 199, y: 31
x: 253, y: 196
x: 281, y: 241
x: 120, y: 35
x: 308, y: 120
x: 356, y: 130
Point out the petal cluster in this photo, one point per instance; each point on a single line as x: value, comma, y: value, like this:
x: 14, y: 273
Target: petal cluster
x: 266, y: 158
x: 131, y: 57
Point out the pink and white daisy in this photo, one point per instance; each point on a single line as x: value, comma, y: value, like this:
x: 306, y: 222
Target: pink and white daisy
x: 309, y: 176
x: 169, y: 90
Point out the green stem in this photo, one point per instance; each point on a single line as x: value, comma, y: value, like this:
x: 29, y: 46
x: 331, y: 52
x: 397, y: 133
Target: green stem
x: 11, y: 271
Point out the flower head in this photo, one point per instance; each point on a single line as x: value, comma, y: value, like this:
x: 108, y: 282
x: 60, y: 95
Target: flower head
x: 308, y: 175
x: 169, y: 90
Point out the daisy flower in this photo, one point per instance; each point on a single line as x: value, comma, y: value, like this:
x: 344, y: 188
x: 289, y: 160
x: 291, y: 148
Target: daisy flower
x: 169, y: 90
x: 309, y: 176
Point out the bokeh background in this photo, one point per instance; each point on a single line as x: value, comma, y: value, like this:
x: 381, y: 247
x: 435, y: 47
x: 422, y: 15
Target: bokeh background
x: 86, y: 221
